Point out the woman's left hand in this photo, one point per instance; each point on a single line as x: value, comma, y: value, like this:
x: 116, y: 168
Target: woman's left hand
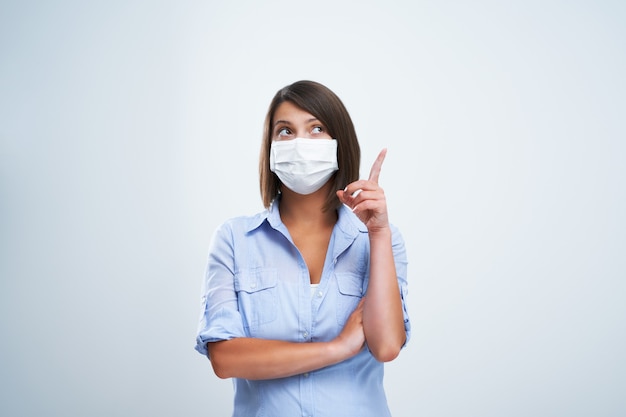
x: 367, y: 199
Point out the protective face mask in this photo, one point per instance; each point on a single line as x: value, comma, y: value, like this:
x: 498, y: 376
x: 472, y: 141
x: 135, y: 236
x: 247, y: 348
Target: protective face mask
x: 304, y: 165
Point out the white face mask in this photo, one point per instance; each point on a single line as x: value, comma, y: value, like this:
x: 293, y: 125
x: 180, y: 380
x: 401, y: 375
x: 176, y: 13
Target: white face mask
x: 304, y: 165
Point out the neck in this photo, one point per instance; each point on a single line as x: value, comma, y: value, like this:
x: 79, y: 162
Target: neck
x: 306, y: 210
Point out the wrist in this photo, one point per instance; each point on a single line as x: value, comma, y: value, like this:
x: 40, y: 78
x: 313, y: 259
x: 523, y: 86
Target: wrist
x: 339, y: 350
x: 336, y: 351
x: 380, y: 233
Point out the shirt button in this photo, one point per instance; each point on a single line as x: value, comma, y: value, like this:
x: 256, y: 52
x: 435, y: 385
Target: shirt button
x: 306, y: 374
x: 253, y: 286
x: 305, y: 334
x: 319, y: 294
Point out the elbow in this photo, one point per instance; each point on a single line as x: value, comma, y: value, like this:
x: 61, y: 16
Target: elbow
x: 220, y: 371
x: 220, y: 368
x: 386, y: 353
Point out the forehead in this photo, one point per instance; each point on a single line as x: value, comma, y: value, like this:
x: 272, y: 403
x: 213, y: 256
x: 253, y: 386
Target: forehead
x: 289, y: 112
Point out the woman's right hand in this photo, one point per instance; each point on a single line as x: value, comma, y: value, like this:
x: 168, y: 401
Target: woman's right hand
x: 352, y: 337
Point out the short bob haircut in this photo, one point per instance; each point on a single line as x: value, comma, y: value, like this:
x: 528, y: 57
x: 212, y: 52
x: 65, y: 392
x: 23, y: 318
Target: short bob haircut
x: 322, y: 103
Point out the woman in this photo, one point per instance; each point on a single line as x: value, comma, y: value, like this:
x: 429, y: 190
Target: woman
x: 303, y: 302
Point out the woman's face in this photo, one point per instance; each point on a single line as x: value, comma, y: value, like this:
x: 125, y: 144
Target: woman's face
x: 292, y: 122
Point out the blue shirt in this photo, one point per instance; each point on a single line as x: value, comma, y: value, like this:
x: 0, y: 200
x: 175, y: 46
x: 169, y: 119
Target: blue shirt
x: 257, y: 285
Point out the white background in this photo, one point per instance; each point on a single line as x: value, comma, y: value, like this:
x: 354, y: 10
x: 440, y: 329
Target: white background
x: 130, y: 129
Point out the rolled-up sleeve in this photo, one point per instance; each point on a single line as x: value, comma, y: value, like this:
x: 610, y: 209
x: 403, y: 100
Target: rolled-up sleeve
x: 220, y: 318
x: 400, y: 258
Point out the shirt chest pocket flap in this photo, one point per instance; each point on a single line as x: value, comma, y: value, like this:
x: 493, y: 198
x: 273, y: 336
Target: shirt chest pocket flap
x: 256, y: 292
x: 350, y: 286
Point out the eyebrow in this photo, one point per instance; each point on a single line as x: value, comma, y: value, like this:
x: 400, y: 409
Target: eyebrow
x: 286, y: 122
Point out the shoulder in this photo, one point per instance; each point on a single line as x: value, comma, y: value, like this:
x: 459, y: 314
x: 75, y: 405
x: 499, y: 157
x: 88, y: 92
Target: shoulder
x: 242, y: 224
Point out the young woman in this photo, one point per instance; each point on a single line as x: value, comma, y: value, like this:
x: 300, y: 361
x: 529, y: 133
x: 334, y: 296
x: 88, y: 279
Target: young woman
x: 303, y: 302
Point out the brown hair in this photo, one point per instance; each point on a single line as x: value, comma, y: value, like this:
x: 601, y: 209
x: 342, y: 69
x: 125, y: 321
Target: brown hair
x: 322, y: 103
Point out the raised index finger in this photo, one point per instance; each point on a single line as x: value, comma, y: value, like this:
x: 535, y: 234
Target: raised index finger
x: 378, y: 163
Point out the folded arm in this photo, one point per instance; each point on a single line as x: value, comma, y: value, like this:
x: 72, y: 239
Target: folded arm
x: 253, y: 358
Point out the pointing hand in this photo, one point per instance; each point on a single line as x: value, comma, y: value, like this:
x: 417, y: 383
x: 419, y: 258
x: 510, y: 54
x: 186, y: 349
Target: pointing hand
x: 367, y: 199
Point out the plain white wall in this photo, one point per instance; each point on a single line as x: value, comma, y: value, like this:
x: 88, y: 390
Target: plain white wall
x: 130, y: 129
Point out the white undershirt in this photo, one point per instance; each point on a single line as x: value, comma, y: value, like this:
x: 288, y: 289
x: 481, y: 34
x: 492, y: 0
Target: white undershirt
x: 313, y: 288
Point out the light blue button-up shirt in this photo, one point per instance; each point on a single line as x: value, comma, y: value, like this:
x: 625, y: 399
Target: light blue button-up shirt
x: 257, y: 285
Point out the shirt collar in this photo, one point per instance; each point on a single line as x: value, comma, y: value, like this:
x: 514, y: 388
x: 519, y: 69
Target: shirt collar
x: 271, y: 214
x: 347, y: 222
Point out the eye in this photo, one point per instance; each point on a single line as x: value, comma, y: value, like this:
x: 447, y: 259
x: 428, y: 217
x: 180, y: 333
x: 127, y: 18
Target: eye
x: 317, y: 130
x: 283, y: 132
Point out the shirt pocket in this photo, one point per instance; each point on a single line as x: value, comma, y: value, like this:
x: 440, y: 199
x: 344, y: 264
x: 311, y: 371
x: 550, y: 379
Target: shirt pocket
x: 256, y: 296
x: 350, y: 292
